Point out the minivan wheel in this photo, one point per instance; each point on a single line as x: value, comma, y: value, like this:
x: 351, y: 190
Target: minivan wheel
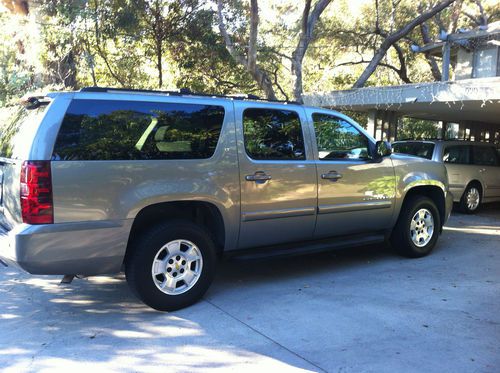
x: 171, y: 266
x: 417, y: 229
x: 471, y: 199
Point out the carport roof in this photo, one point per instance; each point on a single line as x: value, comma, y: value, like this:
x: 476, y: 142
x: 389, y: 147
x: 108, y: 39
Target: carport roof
x: 451, y: 101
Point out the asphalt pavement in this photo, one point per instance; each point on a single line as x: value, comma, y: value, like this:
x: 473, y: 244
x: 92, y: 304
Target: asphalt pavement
x: 357, y: 310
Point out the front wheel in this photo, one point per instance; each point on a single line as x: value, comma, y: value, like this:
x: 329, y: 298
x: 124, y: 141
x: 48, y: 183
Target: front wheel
x: 171, y: 266
x: 417, y: 229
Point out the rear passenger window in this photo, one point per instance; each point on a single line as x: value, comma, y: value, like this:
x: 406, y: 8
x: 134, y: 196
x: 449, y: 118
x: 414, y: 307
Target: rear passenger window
x: 458, y: 154
x: 273, y: 134
x: 484, y: 156
x: 134, y: 130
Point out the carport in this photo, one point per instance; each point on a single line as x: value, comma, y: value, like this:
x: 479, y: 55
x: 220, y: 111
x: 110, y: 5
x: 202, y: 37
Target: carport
x: 465, y: 109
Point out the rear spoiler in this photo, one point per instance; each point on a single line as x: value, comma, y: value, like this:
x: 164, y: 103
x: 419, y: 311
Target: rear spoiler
x: 31, y: 102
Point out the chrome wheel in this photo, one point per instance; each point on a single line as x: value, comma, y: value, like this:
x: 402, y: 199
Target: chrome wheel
x: 472, y: 198
x: 177, y: 267
x: 422, y: 227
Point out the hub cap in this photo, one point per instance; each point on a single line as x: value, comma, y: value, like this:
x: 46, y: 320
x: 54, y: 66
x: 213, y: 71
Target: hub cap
x: 473, y: 198
x: 422, y: 227
x: 177, y: 267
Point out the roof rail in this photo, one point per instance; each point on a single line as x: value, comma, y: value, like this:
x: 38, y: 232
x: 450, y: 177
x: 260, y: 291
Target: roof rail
x: 186, y: 92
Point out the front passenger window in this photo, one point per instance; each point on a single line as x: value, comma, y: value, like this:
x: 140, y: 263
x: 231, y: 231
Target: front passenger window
x: 338, y: 139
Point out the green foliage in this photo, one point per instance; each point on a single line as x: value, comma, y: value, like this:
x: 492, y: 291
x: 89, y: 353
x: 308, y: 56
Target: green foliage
x: 417, y: 129
x: 172, y: 44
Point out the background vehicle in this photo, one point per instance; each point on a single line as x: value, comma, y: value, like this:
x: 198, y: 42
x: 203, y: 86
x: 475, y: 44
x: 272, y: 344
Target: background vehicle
x: 164, y: 183
x: 473, y: 168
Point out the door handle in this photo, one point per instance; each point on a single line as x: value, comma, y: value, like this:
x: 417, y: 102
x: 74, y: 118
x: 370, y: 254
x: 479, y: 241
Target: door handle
x: 332, y: 175
x: 260, y: 177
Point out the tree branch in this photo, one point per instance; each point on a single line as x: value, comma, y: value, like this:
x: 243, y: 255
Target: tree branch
x: 394, y: 37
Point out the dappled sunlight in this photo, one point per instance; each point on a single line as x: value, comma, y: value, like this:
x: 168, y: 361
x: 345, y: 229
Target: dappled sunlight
x: 98, y: 323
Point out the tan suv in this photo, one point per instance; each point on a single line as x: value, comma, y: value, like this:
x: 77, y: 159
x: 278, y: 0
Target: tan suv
x: 163, y: 183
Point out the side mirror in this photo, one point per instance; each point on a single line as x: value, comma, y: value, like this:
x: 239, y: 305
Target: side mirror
x: 383, y: 149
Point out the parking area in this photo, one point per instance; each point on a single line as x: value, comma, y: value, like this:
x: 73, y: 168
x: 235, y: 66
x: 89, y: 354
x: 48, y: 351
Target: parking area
x: 351, y: 311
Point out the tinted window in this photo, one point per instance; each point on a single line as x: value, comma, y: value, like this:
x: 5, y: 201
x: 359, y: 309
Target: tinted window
x: 418, y: 149
x: 457, y: 154
x: 338, y: 139
x: 484, y: 156
x: 273, y: 134
x: 132, y: 130
x: 19, y: 119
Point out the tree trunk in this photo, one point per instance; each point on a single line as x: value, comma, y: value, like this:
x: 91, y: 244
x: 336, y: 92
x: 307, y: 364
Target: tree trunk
x: 309, y: 20
x: 394, y: 37
x: 250, y: 63
x: 159, y: 55
x: 431, y: 60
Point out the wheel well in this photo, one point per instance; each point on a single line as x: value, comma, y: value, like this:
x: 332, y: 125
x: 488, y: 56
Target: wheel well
x: 202, y: 213
x: 476, y: 183
x: 435, y: 193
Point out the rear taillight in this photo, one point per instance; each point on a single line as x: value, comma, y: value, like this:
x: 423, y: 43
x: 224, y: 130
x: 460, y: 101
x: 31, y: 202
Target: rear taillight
x: 36, y: 193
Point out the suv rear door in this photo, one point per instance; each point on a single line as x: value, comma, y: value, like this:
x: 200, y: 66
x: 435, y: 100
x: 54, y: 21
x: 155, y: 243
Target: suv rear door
x: 355, y: 193
x: 277, y: 175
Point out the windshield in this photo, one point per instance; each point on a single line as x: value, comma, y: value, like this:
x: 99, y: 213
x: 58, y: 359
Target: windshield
x: 14, y: 121
x: 418, y: 149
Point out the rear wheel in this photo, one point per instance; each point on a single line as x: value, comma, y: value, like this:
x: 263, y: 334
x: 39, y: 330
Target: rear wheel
x: 417, y: 229
x: 171, y: 266
x: 471, y: 199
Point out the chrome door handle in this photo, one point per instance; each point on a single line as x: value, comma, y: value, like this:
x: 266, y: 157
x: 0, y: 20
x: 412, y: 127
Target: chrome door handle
x: 332, y: 175
x: 260, y: 177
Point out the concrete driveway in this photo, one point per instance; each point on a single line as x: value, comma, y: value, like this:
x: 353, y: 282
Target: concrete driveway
x: 351, y: 311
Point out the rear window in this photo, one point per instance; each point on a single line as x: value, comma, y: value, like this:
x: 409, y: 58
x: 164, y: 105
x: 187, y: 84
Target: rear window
x: 133, y: 130
x: 484, y: 156
x: 272, y: 134
x: 18, y: 120
x: 418, y: 149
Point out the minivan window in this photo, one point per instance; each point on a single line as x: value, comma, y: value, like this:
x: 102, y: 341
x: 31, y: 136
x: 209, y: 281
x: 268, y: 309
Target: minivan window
x: 418, y: 149
x: 484, y: 156
x: 137, y: 130
x: 338, y: 139
x: 458, y: 154
x: 272, y: 134
x: 20, y: 119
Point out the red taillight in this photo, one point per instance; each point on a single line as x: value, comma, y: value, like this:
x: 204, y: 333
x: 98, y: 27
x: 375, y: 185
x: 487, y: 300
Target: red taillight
x: 36, y: 193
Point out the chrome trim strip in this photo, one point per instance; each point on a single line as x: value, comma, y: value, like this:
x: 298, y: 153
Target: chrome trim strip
x: 275, y: 214
x: 358, y: 206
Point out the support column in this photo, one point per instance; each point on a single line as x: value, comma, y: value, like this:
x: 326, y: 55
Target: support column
x: 371, y: 125
x: 445, y: 74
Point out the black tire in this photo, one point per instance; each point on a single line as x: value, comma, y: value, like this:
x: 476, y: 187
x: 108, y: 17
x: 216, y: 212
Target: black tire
x: 464, y: 205
x: 142, y: 252
x: 401, y: 239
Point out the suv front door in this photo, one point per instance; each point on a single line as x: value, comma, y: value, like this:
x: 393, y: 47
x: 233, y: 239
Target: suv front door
x: 277, y: 175
x: 356, y: 193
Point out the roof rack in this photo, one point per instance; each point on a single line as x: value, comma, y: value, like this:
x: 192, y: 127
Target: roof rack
x: 187, y: 92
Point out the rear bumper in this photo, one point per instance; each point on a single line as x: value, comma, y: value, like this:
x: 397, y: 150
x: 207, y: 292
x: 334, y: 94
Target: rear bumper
x: 87, y: 248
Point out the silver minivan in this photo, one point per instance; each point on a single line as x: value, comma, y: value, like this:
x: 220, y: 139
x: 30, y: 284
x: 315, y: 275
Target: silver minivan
x: 473, y: 168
